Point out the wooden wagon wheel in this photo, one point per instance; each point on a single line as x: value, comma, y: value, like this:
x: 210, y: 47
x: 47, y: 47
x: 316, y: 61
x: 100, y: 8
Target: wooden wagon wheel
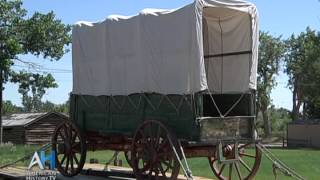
x: 70, y: 149
x: 152, y: 155
x: 244, y: 169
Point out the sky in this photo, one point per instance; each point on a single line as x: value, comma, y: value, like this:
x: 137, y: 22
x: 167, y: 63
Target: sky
x: 283, y: 17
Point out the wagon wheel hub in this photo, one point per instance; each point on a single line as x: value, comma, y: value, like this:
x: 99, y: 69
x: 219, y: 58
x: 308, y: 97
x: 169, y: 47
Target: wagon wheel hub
x: 245, y: 167
x: 228, y: 152
x: 68, y: 147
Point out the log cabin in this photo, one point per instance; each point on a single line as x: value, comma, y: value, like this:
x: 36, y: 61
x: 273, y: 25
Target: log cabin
x: 31, y: 128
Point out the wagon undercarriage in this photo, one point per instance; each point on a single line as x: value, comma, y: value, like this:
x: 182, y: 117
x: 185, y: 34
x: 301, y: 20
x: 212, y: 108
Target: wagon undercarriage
x: 154, y: 152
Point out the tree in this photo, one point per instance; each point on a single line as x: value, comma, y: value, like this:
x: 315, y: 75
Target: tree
x: 51, y: 107
x: 63, y: 108
x: 280, y: 118
x: 9, y: 108
x: 303, y: 70
x: 271, y: 50
x: 35, y: 83
x: 48, y: 106
x: 41, y: 34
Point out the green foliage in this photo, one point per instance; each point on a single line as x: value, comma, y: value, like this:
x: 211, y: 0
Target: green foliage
x: 9, y: 108
x: 10, y: 18
x: 303, y: 70
x: 279, y: 118
x: 35, y: 83
x: 271, y: 51
x: 41, y: 34
x: 49, y: 107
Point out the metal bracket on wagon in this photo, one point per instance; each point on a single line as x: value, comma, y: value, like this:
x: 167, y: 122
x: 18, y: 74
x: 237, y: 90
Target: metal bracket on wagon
x: 228, y: 154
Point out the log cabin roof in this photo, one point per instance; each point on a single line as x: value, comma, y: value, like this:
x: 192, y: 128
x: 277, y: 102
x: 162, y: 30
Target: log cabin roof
x: 25, y: 119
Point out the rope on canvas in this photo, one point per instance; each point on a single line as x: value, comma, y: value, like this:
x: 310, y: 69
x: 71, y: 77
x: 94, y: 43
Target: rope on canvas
x: 153, y: 105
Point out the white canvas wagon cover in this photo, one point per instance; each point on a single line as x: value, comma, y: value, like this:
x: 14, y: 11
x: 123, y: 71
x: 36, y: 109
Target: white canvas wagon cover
x: 209, y: 44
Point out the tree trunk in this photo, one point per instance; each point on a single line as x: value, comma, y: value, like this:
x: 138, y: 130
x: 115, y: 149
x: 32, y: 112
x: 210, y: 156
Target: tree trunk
x: 297, y: 99
x: 294, y: 105
x: 304, y: 113
x: 266, y: 122
x: 295, y: 109
x: 257, y: 108
x: 1, y: 89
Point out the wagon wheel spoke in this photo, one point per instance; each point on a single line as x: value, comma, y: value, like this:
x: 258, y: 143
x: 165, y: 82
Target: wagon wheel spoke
x: 243, y: 146
x: 168, y: 164
x: 71, y: 163
x: 74, y: 137
x: 128, y: 157
x: 212, y: 160
x: 65, y: 131
x: 238, y: 170
x: 247, y: 155
x: 70, y: 135
x: 138, y: 159
x: 163, y: 172
x: 222, y: 168
x: 76, y: 160
x: 62, y: 136
x: 245, y: 164
x: 63, y: 158
x: 165, y: 165
x: 142, y: 134
x: 230, y: 171
x: 67, y: 164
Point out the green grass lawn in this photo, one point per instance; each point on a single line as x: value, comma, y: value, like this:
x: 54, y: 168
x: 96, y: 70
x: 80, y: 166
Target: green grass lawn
x: 10, y: 153
x: 306, y: 162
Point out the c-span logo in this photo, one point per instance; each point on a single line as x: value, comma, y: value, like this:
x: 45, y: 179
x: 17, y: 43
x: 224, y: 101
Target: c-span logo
x: 42, y: 159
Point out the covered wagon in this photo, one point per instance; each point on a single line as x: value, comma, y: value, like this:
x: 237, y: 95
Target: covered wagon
x: 165, y: 85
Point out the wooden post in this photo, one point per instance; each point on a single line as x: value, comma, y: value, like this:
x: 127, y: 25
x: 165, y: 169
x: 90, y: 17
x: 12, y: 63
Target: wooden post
x: 287, y: 135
